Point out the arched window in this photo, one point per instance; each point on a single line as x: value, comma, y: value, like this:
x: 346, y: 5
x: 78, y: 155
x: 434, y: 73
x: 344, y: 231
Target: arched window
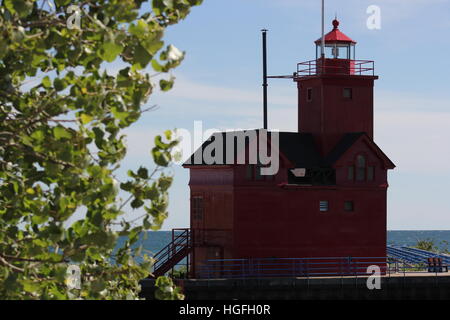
x: 360, y: 168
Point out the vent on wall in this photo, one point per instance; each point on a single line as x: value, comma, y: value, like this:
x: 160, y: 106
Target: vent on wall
x: 323, y: 206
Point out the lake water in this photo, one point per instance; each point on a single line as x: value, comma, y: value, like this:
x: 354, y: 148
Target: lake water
x: 156, y: 240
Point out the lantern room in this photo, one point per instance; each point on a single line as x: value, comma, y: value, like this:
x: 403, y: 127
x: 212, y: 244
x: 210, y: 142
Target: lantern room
x: 336, y: 45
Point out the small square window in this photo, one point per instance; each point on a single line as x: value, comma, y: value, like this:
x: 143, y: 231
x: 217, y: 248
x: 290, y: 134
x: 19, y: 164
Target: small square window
x: 309, y: 94
x: 348, y: 206
x: 323, y: 206
x: 348, y: 93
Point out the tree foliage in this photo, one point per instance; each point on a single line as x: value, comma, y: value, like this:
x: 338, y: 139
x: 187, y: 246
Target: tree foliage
x: 429, y: 245
x: 61, y: 142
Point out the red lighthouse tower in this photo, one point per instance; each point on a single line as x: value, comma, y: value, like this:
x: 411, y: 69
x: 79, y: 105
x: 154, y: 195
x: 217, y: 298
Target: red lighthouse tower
x: 335, y: 92
x: 323, y: 209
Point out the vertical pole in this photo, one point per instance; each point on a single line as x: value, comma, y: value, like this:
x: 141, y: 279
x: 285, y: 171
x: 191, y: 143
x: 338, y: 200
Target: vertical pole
x: 264, y: 38
x: 193, y: 260
x: 322, y: 49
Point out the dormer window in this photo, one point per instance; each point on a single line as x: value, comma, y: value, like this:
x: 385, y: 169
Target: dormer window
x: 360, y: 171
x: 360, y: 168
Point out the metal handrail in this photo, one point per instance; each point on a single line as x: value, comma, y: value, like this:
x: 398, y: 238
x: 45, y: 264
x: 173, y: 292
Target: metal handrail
x: 303, y: 267
x: 179, y: 243
x: 358, y: 67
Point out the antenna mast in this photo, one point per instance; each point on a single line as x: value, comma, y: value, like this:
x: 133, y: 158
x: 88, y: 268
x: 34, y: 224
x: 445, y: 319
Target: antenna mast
x: 322, y: 47
x: 264, y: 38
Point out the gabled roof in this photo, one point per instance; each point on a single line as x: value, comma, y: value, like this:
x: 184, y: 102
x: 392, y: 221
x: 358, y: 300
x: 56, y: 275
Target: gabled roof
x: 349, y: 140
x: 342, y: 146
x: 299, y: 149
x: 335, y: 35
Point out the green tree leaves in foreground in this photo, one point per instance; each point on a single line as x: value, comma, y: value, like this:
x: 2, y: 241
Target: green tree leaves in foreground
x: 61, y: 141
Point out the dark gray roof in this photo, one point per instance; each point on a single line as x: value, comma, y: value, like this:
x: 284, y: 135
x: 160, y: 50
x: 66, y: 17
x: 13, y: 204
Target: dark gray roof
x: 298, y: 148
x: 342, y: 146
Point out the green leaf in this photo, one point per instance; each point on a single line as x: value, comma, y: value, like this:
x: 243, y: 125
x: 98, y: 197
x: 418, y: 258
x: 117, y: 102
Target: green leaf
x: 30, y: 286
x: 152, y: 46
x: 143, y: 173
x: 126, y: 186
x: 166, y: 85
x: 60, y: 3
x: 46, y: 82
x: 60, y: 132
x: 59, y: 84
x: 109, y: 51
x: 85, y: 118
x: 140, y: 29
x: 165, y: 182
x: 160, y: 158
x: 22, y: 7
x: 120, y: 115
x: 38, y: 135
x: 137, y: 203
x: 141, y: 57
x: 157, y: 66
x: 168, y: 134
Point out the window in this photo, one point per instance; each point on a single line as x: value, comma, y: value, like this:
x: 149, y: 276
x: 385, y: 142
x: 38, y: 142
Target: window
x: 309, y: 94
x: 360, y: 168
x: 323, y: 206
x: 348, y: 93
x: 197, y: 208
x: 348, y: 206
x: 361, y: 171
x: 370, y: 173
x: 351, y: 173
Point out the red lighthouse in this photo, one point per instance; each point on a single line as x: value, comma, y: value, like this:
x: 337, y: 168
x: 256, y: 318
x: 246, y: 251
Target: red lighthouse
x: 326, y: 201
x: 335, y: 92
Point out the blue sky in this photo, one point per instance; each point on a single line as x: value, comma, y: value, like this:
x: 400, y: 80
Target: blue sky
x: 219, y: 83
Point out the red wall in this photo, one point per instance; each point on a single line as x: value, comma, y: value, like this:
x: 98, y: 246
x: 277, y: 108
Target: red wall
x: 263, y: 219
x: 287, y: 223
x: 329, y: 115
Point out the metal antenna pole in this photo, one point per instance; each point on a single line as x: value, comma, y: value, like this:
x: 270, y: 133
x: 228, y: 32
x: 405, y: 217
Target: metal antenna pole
x: 264, y: 37
x: 322, y: 48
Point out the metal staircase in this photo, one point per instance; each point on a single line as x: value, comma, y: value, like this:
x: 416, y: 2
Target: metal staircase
x: 173, y: 253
